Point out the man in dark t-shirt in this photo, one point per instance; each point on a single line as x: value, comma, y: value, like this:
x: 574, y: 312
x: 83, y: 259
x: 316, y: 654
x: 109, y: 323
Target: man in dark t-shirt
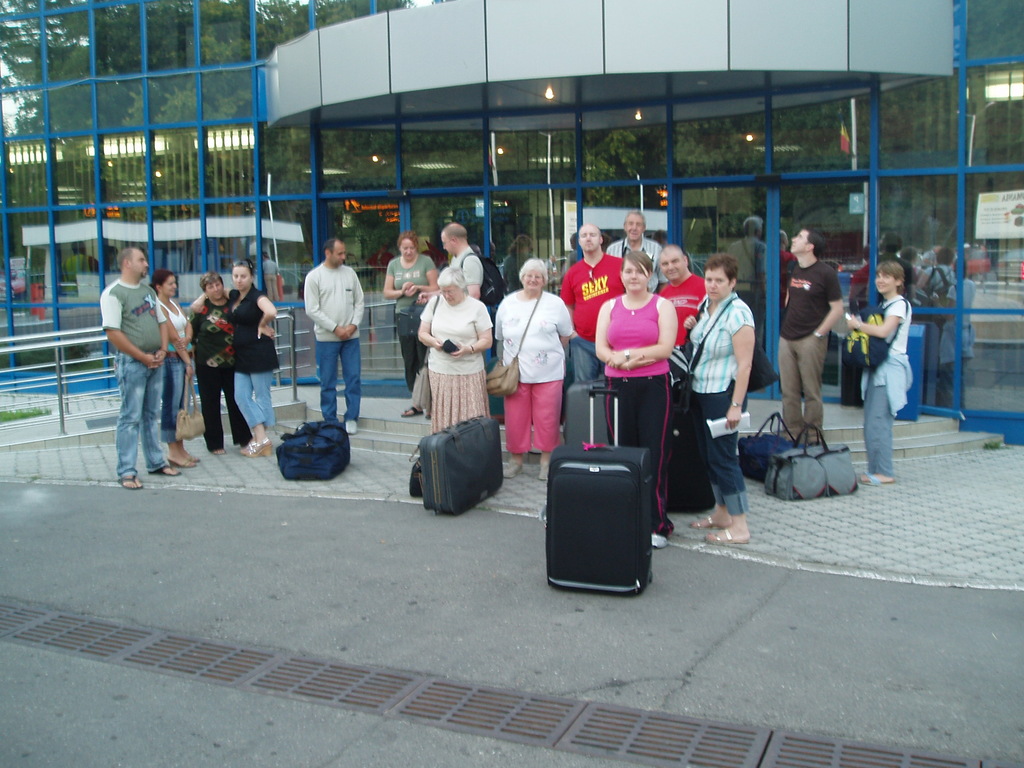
x: 814, y: 304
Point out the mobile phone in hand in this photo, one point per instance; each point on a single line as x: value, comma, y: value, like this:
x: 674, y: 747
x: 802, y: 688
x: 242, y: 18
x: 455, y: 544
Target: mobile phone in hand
x: 450, y: 346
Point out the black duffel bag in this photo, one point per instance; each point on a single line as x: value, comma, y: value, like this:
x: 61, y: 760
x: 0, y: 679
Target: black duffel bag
x: 317, y: 450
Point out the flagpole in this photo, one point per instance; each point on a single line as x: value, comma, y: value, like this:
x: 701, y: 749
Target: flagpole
x: 853, y: 166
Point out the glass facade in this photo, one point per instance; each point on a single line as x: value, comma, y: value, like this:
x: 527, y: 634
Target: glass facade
x: 139, y: 121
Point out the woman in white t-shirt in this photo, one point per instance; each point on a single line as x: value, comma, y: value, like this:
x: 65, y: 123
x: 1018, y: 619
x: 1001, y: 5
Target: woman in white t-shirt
x: 535, y: 325
x: 178, y: 369
x: 885, y: 387
x: 456, y: 328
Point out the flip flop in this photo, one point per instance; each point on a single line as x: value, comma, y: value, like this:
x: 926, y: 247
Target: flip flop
x: 410, y: 412
x: 717, y: 538
x: 874, y: 480
x: 131, y: 483
x: 165, y: 470
x: 707, y: 522
x: 187, y: 464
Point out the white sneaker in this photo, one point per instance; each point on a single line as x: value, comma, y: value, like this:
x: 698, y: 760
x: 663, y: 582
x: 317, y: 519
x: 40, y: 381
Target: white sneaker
x: 512, y: 470
x: 352, y: 427
x: 658, y: 541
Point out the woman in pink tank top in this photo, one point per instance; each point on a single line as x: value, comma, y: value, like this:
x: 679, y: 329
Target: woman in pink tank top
x: 635, y: 336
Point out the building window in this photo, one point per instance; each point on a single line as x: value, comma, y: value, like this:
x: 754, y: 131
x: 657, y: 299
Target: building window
x: 918, y: 124
x: 170, y: 35
x: 719, y: 138
x: 624, y: 144
x: 443, y: 154
x: 812, y: 132
x: 362, y: 158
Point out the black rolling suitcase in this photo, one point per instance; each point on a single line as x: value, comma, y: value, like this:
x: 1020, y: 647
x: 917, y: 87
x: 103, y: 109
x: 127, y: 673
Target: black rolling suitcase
x: 461, y: 465
x: 599, y: 507
x: 689, y: 489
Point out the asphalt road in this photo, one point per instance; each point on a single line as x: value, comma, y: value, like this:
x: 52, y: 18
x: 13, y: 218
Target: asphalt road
x: 388, y: 584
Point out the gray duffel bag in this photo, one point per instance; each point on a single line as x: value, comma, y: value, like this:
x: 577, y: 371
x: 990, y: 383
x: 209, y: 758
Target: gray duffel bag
x: 810, y: 471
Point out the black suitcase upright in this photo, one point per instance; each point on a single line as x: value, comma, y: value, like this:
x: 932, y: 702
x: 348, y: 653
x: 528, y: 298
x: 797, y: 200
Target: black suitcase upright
x: 461, y: 465
x: 599, y: 507
x: 689, y: 489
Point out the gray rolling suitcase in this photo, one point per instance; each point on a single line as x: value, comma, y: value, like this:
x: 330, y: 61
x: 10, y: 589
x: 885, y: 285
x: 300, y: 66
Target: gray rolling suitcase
x: 578, y: 412
x: 461, y: 465
x: 600, y: 504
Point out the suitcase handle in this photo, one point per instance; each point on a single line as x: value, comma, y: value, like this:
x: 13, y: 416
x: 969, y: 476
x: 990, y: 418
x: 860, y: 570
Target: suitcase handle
x: 593, y: 392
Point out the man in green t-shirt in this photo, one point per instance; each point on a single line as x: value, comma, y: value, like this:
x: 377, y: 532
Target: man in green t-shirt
x: 137, y: 329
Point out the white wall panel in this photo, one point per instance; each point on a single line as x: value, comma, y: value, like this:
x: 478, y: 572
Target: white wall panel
x: 437, y: 46
x: 885, y: 33
x: 800, y: 35
x: 666, y: 35
x: 354, y: 62
x: 529, y: 39
x: 298, y: 76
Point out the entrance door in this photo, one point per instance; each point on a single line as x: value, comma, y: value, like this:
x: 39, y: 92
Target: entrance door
x: 748, y: 222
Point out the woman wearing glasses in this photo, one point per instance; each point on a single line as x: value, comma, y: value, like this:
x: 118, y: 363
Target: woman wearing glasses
x: 251, y: 312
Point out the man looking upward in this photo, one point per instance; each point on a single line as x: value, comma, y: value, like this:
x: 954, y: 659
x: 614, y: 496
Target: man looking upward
x: 814, y: 304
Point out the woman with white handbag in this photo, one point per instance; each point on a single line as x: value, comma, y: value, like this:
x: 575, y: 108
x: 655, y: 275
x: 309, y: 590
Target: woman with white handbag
x: 534, y: 327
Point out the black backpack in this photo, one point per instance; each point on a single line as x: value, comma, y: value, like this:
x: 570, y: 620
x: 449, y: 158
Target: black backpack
x: 492, y: 289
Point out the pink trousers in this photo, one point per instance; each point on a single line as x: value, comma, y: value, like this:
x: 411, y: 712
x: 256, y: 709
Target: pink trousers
x: 538, y: 406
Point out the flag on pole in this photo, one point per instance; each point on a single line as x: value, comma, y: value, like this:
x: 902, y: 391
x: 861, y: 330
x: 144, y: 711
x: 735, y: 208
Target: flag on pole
x: 844, y: 138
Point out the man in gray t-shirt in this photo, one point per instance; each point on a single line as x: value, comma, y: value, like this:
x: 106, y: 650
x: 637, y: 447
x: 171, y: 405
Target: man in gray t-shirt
x: 136, y: 327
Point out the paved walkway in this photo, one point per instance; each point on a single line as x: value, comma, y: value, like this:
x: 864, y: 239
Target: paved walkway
x: 949, y: 521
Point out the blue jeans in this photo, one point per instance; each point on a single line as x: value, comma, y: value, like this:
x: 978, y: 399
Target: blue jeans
x: 174, y: 384
x: 252, y: 394
x: 585, y: 365
x: 140, y: 388
x: 327, y: 355
x: 719, y: 453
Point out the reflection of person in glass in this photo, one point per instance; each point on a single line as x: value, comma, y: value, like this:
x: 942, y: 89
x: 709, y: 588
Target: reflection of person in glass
x: 636, y: 333
x: 519, y: 252
x: 410, y: 275
x: 885, y: 387
x: 749, y: 254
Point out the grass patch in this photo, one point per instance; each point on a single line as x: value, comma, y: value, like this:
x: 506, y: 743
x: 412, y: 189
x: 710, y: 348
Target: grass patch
x: 993, y: 445
x: 23, y: 413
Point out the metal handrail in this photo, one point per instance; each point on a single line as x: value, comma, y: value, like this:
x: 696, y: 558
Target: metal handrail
x: 291, y: 340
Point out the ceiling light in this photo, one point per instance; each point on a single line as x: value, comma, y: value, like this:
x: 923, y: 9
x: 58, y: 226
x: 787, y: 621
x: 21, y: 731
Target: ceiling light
x: 749, y: 137
x: 549, y: 94
x: 638, y: 116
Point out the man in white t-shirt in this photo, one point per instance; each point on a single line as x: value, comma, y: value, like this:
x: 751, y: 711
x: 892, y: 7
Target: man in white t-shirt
x: 455, y: 240
x: 635, y: 225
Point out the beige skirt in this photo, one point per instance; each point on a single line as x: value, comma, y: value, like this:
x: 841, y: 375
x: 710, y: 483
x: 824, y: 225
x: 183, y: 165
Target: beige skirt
x: 457, y: 397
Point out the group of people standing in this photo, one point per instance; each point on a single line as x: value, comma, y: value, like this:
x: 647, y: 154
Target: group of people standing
x: 616, y: 318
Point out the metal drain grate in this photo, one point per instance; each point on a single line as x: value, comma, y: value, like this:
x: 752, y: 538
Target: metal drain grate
x: 14, y: 617
x: 358, y: 687
x: 208, y: 661
x: 73, y: 633
x: 792, y: 750
x: 492, y: 712
x: 661, y: 739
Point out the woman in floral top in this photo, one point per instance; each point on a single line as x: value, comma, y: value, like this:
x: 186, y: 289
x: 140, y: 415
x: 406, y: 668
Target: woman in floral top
x: 213, y: 342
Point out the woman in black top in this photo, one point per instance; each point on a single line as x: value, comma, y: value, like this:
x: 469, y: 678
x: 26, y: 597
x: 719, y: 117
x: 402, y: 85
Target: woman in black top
x: 214, y: 351
x: 251, y: 312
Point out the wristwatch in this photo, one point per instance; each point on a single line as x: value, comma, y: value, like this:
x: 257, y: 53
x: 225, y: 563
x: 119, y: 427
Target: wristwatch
x: 626, y: 353
x: 819, y: 335
x: 737, y: 405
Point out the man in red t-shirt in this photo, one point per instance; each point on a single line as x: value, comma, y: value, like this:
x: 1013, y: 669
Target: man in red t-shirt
x: 587, y: 285
x: 684, y: 289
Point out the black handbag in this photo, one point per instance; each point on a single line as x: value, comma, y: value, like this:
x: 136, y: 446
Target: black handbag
x: 408, y: 319
x: 762, y: 374
x: 416, y: 480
